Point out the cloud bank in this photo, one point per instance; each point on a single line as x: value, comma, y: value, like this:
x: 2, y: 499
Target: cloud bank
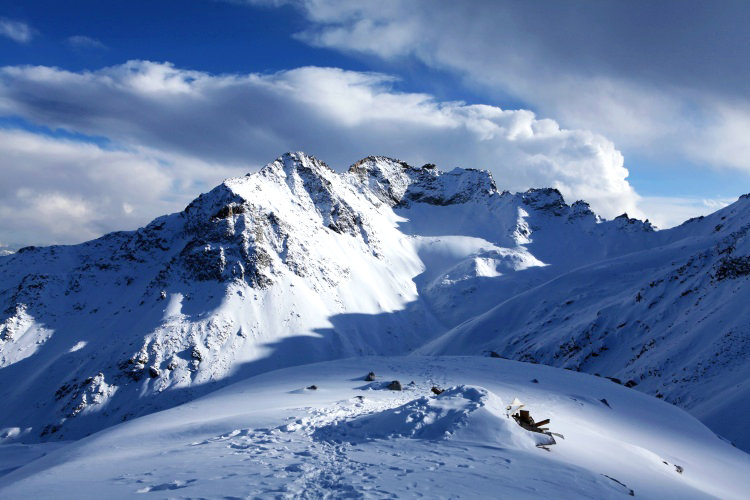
x: 175, y: 132
x: 55, y: 190
x: 665, y: 79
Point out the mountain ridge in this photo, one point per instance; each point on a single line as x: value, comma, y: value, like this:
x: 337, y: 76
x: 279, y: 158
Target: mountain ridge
x: 296, y: 263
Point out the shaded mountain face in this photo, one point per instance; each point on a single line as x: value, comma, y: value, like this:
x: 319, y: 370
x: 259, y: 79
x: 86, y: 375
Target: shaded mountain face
x: 298, y: 263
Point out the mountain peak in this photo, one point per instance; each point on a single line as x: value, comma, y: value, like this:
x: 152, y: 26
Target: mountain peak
x: 400, y: 184
x: 581, y: 208
x: 298, y: 163
x: 547, y: 199
x: 634, y: 224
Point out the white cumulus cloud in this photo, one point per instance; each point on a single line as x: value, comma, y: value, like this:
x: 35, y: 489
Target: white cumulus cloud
x: 664, y: 80
x: 228, y: 124
x: 60, y: 191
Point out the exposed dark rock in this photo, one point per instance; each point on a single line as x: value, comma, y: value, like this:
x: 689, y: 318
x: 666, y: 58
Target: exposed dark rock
x: 547, y: 199
x: 370, y: 377
x: 196, y: 354
x: 65, y: 389
x: 395, y: 386
x: 733, y: 267
x: 228, y: 211
x: 624, y: 220
x: 580, y: 209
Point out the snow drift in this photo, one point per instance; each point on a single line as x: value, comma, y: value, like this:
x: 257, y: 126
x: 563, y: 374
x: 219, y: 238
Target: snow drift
x: 464, y: 413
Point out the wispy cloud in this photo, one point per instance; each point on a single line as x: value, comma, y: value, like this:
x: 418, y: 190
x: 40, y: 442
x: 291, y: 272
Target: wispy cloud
x: 666, y: 211
x: 85, y: 42
x: 17, y: 31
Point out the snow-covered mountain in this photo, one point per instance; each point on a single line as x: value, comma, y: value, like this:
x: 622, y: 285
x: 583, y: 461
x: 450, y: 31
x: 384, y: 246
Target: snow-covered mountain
x: 298, y: 263
x: 672, y: 320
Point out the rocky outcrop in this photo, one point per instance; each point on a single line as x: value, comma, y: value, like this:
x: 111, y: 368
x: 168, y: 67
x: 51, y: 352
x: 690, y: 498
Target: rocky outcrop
x: 399, y: 184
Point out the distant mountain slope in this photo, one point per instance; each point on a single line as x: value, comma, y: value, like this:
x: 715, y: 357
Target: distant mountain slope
x: 674, y: 319
x: 298, y: 263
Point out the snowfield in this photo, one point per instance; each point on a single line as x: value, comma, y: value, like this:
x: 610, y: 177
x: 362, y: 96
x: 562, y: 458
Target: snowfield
x: 269, y: 436
x: 131, y: 335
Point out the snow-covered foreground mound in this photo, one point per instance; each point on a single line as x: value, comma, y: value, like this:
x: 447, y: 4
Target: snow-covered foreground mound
x: 466, y: 413
x: 273, y: 436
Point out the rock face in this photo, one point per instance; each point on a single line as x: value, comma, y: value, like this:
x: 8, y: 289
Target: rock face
x: 298, y: 263
x: 400, y: 185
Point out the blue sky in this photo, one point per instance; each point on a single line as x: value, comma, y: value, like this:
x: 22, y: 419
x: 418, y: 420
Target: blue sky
x: 198, y: 34
x: 208, y: 35
x: 567, y: 94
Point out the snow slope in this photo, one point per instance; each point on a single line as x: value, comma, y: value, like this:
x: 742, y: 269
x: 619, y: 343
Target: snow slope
x: 268, y: 436
x: 298, y: 263
x: 283, y: 267
x: 672, y: 319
